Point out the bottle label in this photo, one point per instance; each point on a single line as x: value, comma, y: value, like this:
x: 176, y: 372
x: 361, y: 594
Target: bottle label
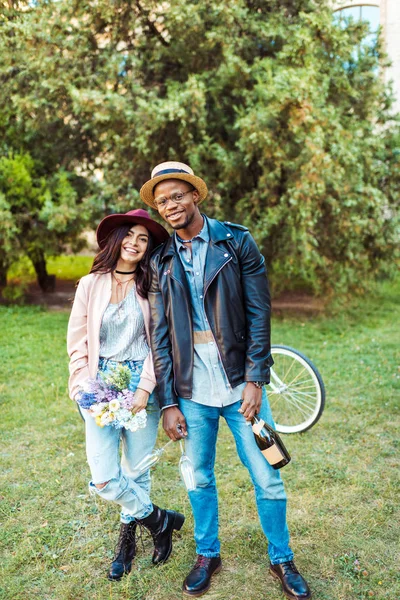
x: 273, y: 454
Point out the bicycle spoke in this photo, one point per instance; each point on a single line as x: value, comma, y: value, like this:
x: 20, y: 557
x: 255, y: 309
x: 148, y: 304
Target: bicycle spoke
x: 287, y: 372
x: 305, y: 394
x: 294, y: 381
x: 305, y: 382
x: 297, y: 376
x: 293, y: 395
x: 295, y: 408
x: 297, y: 402
x: 303, y: 401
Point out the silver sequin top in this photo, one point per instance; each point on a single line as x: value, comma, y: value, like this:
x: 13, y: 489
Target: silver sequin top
x: 122, y: 331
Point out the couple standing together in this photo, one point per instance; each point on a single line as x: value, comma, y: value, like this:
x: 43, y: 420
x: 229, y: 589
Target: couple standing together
x: 189, y: 313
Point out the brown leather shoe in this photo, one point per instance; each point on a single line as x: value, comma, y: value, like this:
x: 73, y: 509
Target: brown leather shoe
x: 199, y: 579
x: 294, y: 586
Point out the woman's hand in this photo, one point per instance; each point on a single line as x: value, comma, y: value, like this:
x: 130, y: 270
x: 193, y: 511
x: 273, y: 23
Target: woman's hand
x: 141, y: 399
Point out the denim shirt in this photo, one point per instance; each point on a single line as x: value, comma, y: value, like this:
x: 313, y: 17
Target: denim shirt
x: 210, y: 384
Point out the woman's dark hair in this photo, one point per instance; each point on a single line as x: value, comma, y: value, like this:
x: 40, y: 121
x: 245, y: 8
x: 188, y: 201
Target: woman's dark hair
x: 106, y: 260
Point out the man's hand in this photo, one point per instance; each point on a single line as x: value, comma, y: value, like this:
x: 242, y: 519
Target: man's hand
x: 251, y: 401
x: 174, y: 423
x: 141, y: 398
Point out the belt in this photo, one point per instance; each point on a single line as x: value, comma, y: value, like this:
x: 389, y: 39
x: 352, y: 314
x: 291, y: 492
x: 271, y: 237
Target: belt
x: 202, y: 337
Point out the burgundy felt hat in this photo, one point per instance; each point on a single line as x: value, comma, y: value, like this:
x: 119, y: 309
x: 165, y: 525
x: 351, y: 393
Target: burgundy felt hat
x: 139, y: 216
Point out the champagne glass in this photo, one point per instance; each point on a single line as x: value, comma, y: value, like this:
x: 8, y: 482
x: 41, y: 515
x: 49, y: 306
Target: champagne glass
x: 186, y: 470
x: 151, y: 459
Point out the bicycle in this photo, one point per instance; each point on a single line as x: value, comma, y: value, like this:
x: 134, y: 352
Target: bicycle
x: 296, y: 392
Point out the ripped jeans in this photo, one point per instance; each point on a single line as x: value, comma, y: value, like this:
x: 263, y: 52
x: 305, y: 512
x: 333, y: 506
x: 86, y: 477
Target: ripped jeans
x: 106, y: 462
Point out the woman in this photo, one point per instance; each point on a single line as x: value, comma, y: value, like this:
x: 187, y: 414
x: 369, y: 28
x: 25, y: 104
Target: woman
x: 109, y: 325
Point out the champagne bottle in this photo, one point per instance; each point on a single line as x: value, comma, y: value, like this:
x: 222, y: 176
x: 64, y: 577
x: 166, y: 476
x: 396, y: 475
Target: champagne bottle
x: 270, y: 443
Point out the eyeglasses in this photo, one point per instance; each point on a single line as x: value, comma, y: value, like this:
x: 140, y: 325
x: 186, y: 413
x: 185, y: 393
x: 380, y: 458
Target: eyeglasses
x: 177, y: 198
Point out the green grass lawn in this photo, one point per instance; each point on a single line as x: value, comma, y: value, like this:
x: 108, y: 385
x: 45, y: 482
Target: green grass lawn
x: 69, y: 267
x: 342, y: 484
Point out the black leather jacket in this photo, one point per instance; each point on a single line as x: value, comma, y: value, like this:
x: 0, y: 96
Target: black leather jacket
x: 237, y: 305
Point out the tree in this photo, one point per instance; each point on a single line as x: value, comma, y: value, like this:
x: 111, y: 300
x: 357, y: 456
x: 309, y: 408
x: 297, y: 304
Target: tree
x: 279, y: 108
x: 47, y: 193
x: 8, y: 231
x: 39, y: 215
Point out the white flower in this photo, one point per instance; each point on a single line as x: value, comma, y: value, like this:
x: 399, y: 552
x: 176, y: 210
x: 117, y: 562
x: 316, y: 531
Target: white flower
x: 114, y: 405
x: 98, y: 408
x: 131, y: 425
x: 141, y: 418
x: 137, y: 421
x: 106, y: 418
x: 123, y: 414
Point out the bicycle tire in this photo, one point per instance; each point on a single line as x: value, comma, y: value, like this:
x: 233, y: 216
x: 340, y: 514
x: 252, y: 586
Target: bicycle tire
x: 296, y: 404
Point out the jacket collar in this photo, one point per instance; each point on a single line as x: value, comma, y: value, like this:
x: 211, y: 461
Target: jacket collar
x: 217, y: 230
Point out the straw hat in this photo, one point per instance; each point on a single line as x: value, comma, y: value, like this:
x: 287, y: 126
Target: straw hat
x: 139, y: 216
x: 171, y: 170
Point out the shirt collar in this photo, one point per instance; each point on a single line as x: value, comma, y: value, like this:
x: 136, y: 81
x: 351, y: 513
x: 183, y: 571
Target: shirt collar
x: 203, y: 235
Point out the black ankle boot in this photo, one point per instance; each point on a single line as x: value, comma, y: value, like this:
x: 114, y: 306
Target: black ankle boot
x: 125, y: 552
x: 161, y: 524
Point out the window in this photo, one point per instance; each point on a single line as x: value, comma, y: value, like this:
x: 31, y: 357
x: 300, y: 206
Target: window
x: 362, y: 13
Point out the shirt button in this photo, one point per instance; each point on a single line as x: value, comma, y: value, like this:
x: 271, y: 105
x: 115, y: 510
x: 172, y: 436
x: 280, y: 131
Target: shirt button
x: 226, y: 255
x: 197, y: 273
x: 201, y: 296
x: 211, y: 343
x: 228, y: 235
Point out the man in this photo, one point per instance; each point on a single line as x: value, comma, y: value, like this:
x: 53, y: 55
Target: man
x: 210, y: 329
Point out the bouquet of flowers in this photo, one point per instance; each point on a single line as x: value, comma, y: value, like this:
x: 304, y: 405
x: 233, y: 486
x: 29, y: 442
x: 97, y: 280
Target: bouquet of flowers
x: 110, y: 400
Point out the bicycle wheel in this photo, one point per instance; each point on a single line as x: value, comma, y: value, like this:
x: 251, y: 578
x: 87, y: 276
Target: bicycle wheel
x: 296, y: 392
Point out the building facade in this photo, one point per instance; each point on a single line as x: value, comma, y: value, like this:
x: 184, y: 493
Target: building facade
x: 384, y: 14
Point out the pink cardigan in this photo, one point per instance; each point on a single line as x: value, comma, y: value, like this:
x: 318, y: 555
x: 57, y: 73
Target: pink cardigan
x: 83, y: 339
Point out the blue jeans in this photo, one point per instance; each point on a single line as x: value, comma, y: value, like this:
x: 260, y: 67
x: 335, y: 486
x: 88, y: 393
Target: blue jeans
x: 202, y: 423
x: 106, y: 464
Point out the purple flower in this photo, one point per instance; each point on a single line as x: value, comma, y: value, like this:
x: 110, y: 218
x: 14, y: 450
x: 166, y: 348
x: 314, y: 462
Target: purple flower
x: 86, y: 399
x: 127, y: 399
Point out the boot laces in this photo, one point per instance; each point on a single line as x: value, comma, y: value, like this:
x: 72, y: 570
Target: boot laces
x: 126, y: 535
x: 154, y: 530
x: 290, y: 565
x: 139, y: 533
x: 202, y: 561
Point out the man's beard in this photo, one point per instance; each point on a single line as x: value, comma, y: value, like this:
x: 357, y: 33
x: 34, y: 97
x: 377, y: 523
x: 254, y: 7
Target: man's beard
x: 186, y: 223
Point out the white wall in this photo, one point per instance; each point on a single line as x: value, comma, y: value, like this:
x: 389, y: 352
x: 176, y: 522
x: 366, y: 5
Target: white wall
x: 391, y: 32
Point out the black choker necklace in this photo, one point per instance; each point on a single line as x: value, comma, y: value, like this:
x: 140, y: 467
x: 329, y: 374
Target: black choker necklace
x: 125, y: 272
